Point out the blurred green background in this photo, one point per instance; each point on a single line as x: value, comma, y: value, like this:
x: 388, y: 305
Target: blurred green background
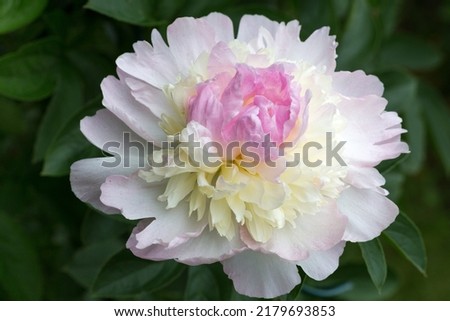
x: 53, y: 55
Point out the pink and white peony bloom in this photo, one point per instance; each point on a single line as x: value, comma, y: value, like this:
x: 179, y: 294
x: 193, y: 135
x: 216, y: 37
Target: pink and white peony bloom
x: 254, y: 209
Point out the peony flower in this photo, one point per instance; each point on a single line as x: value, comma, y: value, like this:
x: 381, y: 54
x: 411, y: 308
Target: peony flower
x: 272, y: 154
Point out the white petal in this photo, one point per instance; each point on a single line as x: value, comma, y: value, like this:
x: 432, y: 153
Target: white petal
x: 208, y: 247
x: 151, y: 97
x: 155, y: 67
x: 365, y: 177
x: 287, y: 41
x: 222, y: 26
x: 135, y: 198
x: 118, y: 99
x: 319, y: 49
x: 188, y: 38
x: 249, y: 27
x: 261, y: 275
x: 368, y: 213
x: 320, y: 231
x: 371, y: 135
x: 357, y: 84
x: 170, y: 228
x: 105, y: 128
x: 87, y: 175
x: 320, y: 264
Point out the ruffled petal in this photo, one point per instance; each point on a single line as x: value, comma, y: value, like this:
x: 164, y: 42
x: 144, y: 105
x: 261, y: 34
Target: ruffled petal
x: 250, y: 26
x: 371, y: 135
x: 357, y: 84
x: 261, y: 275
x: 87, y: 175
x: 118, y: 99
x: 320, y: 264
x: 319, y: 50
x: 154, y: 65
x: 368, y: 213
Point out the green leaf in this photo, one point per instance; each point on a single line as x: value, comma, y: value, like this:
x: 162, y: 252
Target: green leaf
x: 373, y: 254
x: 12, y: 118
x: 201, y: 284
x: 359, y: 39
x: 89, y: 261
x: 406, y: 237
x: 20, y: 270
x: 15, y: 14
x: 98, y: 227
x: 410, y: 52
x: 437, y: 115
x: 65, y: 103
x: 126, y: 275
x: 29, y: 73
x: 138, y: 12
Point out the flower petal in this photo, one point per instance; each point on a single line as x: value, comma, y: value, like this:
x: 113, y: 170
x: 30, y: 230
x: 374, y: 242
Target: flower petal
x: 261, y: 275
x: 222, y: 26
x: 365, y: 177
x: 368, y: 213
x: 134, y: 197
x: 118, y: 99
x: 319, y: 50
x: 151, y: 97
x: 371, y: 135
x: 105, y: 129
x: 320, y: 231
x: 250, y: 26
x: 320, y: 264
x: 154, y: 65
x: 87, y: 175
x: 357, y: 84
x: 188, y: 38
x: 208, y: 247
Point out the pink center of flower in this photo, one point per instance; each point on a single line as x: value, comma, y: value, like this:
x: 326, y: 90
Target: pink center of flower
x: 256, y: 105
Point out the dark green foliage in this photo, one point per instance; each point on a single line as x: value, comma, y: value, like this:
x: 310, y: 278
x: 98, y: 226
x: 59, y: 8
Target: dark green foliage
x: 53, y: 56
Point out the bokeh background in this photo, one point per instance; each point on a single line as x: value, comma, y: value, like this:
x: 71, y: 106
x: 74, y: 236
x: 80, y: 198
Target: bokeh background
x: 53, y: 55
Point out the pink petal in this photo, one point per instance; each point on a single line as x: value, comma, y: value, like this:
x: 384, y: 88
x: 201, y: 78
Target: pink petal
x: 261, y: 275
x: 135, y: 198
x: 321, y: 264
x: 368, y: 213
x: 87, y: 175
x: 118, y: 99
x: 357, y: 84
x: 206, y: 248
